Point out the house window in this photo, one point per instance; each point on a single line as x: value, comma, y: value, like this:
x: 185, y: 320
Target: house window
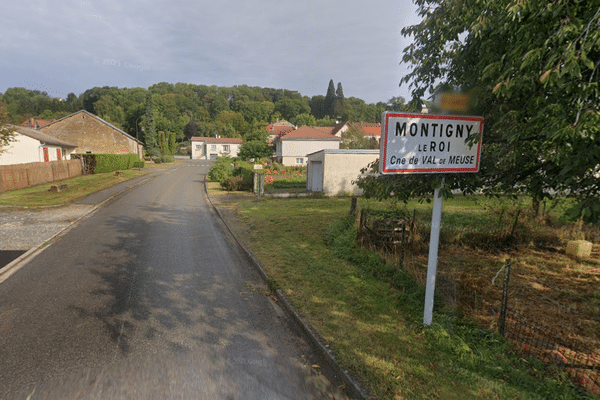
x: 226, y: 148
x: 299, y: 160
x: 213, y: 146
x: 198, y: 147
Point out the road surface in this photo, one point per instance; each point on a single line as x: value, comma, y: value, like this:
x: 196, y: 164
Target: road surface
x: 146, y: 299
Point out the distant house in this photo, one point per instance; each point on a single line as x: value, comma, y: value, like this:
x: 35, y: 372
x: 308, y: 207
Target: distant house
x: 92, y: 134
x: 35, y: 123
x: 371, y: 131
x: 210, y: 148
x: 31, y: 145
x: 335, y: 130
x: 279, y: 128
x: 293, y: 147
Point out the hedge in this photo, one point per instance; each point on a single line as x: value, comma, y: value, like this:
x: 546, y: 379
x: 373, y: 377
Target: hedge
x: 111, y: 162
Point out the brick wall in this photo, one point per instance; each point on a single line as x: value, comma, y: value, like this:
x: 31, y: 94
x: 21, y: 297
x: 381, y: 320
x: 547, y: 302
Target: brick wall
x: 19, y: 176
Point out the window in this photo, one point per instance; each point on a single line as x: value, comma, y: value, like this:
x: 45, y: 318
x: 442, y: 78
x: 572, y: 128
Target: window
x: 213, y: 146
x: 198, y: 147
x: 226, y: 148
x: 299, y: 160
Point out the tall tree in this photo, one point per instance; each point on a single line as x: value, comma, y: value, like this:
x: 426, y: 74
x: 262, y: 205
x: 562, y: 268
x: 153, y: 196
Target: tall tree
x: 150, y: 136
x: 330, y: 100
x: 6, y: 135
x: 532, y: 70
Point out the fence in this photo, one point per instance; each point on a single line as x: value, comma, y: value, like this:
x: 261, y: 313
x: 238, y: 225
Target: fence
x: 20, y: 176
x: 474, y: 295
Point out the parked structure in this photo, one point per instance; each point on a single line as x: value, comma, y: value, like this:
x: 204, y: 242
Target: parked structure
x: 30, y: 146
x: 210, y: 148
x: 333, y: 171
x: 294, y: 147
x: 92, y: 134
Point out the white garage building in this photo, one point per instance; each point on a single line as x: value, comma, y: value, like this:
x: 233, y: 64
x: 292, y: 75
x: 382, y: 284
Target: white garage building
x: 332, y: 171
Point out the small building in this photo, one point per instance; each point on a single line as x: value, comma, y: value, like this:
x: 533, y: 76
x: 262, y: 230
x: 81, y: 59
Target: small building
x: 31, y: 145
x: 294, y: 147
x: 210, y: 148
x: 332, y: 171
x: 92, y: 134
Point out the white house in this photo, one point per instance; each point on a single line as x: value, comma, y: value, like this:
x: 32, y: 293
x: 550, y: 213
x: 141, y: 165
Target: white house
x: 332, y: 171
x: 210, y: 148
x: 31, y: 145
x: 294, y: 147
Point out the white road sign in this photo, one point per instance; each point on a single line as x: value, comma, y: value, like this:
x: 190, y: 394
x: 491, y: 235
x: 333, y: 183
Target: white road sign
x: 423, y: 143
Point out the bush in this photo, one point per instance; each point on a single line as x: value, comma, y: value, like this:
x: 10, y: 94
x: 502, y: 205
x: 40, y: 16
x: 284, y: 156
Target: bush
x: 221, y: 170
x: 236, y: 183
x: 113, y: 162
x: 163, y: 159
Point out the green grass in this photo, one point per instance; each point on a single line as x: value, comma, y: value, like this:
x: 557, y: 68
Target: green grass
x: 79, y: 187
x: 371, y: 314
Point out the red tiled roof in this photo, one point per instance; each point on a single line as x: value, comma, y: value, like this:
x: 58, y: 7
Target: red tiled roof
x: 370, y: 129
x: 325, y: 129
x: 306, y: 132
x: 36, y: 123
x: 216, y: 140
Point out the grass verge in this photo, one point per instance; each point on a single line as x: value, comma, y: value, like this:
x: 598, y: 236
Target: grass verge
x: 370, y: 313
x: 79, y: 187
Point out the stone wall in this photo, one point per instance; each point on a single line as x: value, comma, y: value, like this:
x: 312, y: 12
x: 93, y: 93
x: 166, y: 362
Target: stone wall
x: 20, y: 176
x: 92, y: 135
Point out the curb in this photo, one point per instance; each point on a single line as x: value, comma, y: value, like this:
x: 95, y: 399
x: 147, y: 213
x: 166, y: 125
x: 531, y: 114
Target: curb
x: 353, y: 388
x: 21, y: 261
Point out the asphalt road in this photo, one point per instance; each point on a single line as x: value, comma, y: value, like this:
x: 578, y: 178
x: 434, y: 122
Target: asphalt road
x: 146, y: 299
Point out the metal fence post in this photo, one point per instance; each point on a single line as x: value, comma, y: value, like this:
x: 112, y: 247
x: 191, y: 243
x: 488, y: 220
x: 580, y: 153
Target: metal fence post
x: 502, y: 322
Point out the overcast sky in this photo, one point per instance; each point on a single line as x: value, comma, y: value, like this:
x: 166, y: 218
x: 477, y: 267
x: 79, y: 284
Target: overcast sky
x: 70, y: 46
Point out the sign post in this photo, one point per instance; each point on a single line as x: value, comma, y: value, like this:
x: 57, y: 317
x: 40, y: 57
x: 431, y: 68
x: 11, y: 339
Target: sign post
x: 424, y: 143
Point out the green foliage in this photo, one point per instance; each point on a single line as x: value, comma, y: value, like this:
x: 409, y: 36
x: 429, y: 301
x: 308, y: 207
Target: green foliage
x: 163, y: 158
x: 114, y: 162
x: 255, y: 149
x: 236, y: 183
x: 532, y: 70
x: 221, y: 169
x: 354, y: 138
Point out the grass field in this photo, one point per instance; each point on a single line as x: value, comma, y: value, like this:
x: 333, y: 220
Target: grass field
x: 371, y: 312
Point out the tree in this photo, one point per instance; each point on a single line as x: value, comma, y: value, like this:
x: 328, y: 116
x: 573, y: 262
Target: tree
x: 150, y: 137
x: 532, y: 70
x: 304, y: 119
x: 255, y: 145
x: 354, y: 138
x: 329, y: 103
x: 6, y: 135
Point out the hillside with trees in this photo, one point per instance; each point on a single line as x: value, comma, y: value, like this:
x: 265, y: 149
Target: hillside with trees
x: 167, y: 112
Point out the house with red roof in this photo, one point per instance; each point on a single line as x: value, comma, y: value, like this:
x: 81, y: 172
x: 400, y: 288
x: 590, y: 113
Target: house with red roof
x: 371, y: 131
x: 278, y: 128
x: 36, y: 123
x: 294, y: 147
x: 211, y: 148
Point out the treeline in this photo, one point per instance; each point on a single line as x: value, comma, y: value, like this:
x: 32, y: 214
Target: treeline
x: 184, y: 110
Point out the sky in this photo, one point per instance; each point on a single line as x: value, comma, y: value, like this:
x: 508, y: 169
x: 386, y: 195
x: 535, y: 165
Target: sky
x: 71, y: 45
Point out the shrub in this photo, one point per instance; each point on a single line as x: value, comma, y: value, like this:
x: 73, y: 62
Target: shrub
x: 114, y: 162
x: 221, y: 170
x: 236, y: 183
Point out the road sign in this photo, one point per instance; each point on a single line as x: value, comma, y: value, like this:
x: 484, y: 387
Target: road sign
x: 458, y: 102
x: 414, y: 143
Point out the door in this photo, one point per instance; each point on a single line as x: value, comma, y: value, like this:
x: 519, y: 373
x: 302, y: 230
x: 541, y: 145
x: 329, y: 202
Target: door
x: 316, y: 178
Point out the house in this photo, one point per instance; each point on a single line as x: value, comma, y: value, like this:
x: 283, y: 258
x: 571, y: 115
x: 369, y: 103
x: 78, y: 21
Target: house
x: 278, y: 128
x: 371, y: 131
x: 31, y: 145
x: 335, y: 130
x: 92, y: 134
x: 210, y: 148
x: 332, y: 171
x: 293, y: 147
x: 36, y: 123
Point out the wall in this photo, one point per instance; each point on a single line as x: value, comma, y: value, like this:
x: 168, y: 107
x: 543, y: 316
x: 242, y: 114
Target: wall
x: 339, y: 169
x: 23, y: 150
x: 90, y: 134
x: 19, y: 176
x: 292, y: 149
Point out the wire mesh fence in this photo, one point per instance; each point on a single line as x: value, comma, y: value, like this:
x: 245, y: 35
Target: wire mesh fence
x: 491, y: 300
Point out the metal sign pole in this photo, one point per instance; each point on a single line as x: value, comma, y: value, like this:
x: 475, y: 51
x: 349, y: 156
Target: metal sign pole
x: 436, y: 220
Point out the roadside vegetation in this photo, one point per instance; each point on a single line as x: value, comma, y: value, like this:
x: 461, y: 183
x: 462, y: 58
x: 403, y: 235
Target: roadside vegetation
x: 369, y: 310
x: 78, y: 187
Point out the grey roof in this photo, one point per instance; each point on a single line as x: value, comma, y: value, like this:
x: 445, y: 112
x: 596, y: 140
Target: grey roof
x: 96, y: 117
x: 41, y: 137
